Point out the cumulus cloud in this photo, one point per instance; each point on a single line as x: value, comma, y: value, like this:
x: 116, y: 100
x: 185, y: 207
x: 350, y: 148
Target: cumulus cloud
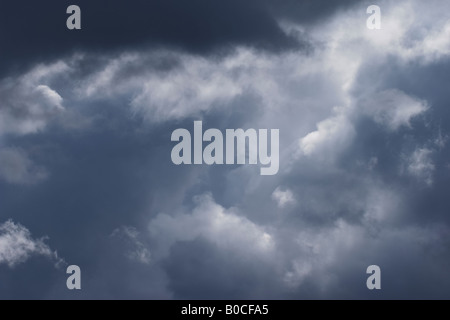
x: 17, y: 245
x: 220, y: 226
x: 332, y: 136
x: 197, y: 86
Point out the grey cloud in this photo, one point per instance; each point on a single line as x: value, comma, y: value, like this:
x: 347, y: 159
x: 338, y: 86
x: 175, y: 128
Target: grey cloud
x: 17, y: 168
x: 283, y: 197
x: 394, y: 108
x: 195, y: 26
x: 420, y: 165
x: 137, y: 251
x: 197, y: 269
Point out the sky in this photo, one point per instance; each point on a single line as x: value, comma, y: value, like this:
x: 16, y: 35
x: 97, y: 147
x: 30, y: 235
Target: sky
x: 86, y: 176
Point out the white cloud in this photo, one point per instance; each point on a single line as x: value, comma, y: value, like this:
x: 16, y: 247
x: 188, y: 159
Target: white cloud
x: 28, y: 103
x: 17, y: 168
x: 410, y: 30
x: 283, y: 197
x: 17, y: 245
x: 292, y: 91
x: 194, y: 85
x: 436, y: 44
x: 197, y: 86
x: 210, y: 221
x: 332, y: 136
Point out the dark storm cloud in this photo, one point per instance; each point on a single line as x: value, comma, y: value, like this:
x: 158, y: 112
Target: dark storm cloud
x: 308, y: 11
x: 34, y: 31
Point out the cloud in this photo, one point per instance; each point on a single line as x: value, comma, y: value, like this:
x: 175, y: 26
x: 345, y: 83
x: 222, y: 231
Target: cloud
x: 28, y: 104
x: 137, y: 250
x: 220, y: 226
x: 410, y: 31
x: 197, y: 86
x: 17, y: 168
x: 283, y: 197
x: 394, y: 109
x: 166, y: 85
x: 195, y: 26
x: 360, y: 106
x: 17, y: 245
x: 322, y: 256
x: 420, y: 165
x: 332, y: 136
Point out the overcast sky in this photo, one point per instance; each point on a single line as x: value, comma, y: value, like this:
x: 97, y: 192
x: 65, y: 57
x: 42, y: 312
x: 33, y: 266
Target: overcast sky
x: 86, y: 177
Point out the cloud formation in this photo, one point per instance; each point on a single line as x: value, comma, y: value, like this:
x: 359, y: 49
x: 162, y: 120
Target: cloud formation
x: 363, y: 155
x: 138, y: 251
x: 17, y: 245
x: 210, y: 221
x: 283, y: 197
x: 27, y: 103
